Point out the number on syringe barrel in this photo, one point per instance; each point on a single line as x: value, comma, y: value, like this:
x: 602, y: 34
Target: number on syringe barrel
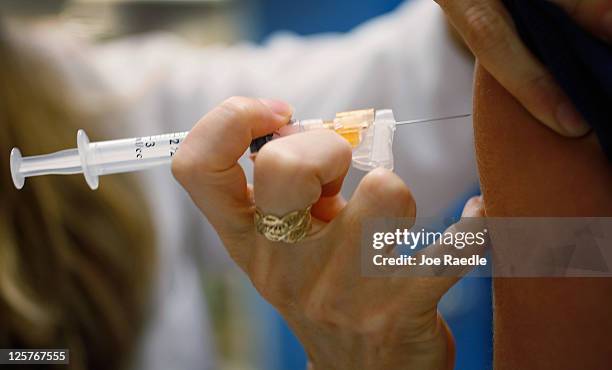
x: 174, y: 146
x: 158, y: 146
x: 138, y: 144
x: 141, y: 144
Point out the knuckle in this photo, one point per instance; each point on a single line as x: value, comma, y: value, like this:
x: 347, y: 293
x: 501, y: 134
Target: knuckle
x: 275, y: 159
x: 277, y: 163
x: 484, y: 28
x: 235, y: 104
x: 237, y: 109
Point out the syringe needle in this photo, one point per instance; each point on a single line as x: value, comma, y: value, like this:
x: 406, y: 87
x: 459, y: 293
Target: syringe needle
x: 423, y: 120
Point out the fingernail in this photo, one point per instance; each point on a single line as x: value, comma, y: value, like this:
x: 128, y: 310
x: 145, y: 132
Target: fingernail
x: 607, y: 24
x: 280, y: 108
x: 571, y: 120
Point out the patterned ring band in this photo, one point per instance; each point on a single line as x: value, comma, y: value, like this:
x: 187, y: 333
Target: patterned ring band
x: 290, y: 228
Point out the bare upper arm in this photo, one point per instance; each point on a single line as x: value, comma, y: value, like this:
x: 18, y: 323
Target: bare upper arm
x: 527, y: 170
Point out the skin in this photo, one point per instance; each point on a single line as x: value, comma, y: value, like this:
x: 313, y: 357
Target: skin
x: 487, y: 29
x: 347, y: 321
x: 528, y: 170
x: 343, y: 319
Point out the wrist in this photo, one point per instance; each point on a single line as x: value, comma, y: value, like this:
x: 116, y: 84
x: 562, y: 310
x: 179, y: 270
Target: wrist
x: 436, y: 352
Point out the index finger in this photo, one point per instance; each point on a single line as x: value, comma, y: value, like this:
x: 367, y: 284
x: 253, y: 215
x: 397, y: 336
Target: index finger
x: 206, y: 164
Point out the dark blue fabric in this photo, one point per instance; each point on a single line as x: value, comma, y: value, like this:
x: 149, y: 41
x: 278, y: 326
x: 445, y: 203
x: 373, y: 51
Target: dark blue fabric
x: 580, y: 62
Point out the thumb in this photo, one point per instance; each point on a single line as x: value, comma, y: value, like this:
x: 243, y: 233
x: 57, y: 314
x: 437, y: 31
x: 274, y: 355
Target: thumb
x: 381, y: 193
x: 381, y: 203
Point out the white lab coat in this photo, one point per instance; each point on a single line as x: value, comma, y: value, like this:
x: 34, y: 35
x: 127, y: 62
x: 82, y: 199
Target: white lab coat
x: 405, y: 61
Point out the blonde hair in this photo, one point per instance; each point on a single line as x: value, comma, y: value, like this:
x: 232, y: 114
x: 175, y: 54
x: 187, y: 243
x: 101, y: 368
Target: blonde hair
x: 75, y: 265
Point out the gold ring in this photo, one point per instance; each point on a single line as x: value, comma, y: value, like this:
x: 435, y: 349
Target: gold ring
x: 290, y: 228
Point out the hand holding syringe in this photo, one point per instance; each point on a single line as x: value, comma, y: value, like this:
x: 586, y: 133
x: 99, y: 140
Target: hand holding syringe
x: 369, y: 131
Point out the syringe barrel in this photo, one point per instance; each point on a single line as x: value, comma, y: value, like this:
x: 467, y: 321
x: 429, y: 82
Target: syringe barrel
x: 134, y: 154
x: 127, y: 155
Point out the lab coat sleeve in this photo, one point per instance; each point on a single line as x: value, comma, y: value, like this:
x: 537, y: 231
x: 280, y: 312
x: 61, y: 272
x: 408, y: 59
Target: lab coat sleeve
x: 385, y: 63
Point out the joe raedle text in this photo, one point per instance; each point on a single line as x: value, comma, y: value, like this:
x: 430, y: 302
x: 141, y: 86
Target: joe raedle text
x: 455, y: 243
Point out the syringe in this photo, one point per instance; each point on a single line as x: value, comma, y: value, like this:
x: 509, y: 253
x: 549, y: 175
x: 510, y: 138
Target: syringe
x: 370, y: 133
